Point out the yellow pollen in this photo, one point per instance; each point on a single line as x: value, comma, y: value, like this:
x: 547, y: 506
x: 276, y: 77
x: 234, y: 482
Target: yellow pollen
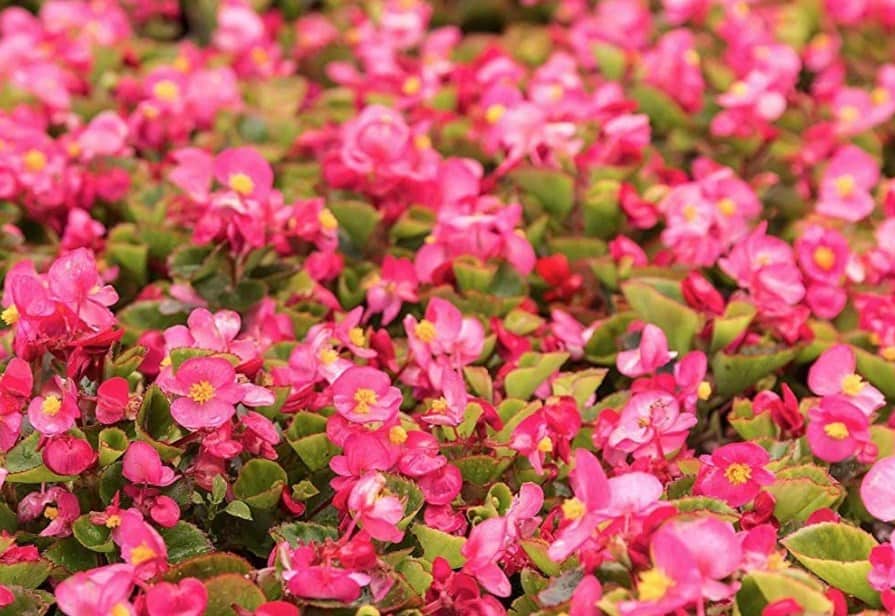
x: 644, y: 422
x: 824, y: 257
x: 545, y: 445
x: 259, y: 56
x: 653, y: 585
x: 201, y: 392
x: 356, y: 336
x: 150, y: 111
x: 845, y: 185
x: 573, y: 508
x: 439, y: 406
x: 327, y: 356
x: 35, y: 161
x: 51, y: 513
x: 141, y: 554
x: 741, y: 9
x: 51, y: 405
x: 738, y: 474
x: 848, y: 114
x: 422, y: 142
x: 113, y: 521
x: 821, y: 40
x: 73, y: 149
x: 412, y: 85
x: 10, y: 315
x: 363, y: 398
x: 327, y: 220
x: 836, y: 430
x: 690, y: 212
x: 166, y: 361
x: 704, y: 390
x: 888, y: 353
x: 241, y: 183
x: 119, y: 609
x: 494, y: 113
x: 425, y: 331
x: 181, y: 64
x: 397, y: 435
x: 879, y: 96
x: 691, y: 57
x: 166, y: 90
x: 556, y: 91
x: 852, y: 384
x: 727, y: 206
x: 739, y: 88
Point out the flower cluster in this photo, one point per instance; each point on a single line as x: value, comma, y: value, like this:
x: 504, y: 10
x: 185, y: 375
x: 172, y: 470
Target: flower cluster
x: 447, y: 308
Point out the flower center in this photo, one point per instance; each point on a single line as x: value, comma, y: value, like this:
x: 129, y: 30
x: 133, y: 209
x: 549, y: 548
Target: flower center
x: 201, y: 392
x: 141, y: 554
x: 494, y: 113
x: 739, y: 88
x: 35, y: 161
x: 691, y: 57
x: 879, y: 96
x: 545, y: 445
x: 51, y: 513
x: 327, y: 356
x: 166, y: 90
x: 653, y: 585
x: 852, y: 384
x: 573, y: 508
x: 845, y: 185
x: 259, y: 56
x: 738, y: 473
x: 836, y: 430
x: 422, y: 142
x: 51, y: 405
x: 412, y: 85
x: 425, y: 331
x: 690, y: 212
x: 704, y: 391
x: 327, y: 220
x: 356, y: 336
x: 848, y: 114
x: 397, y: 435
x: 10, y: 315
x: 439, y: 406
x: 113, y: 521
x: 727, y: 206
x: 363, y: 398
x: 824, y: 257
x: 119, y: 609
x: 241, y: 183
x: 888, y: 353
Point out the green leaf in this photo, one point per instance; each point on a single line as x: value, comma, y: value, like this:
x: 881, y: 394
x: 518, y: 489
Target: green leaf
x: 537, y: 551
x: 799, y: 491
x: 600, y: 210
x: 113, y: 442
x: 155, y: 425
x: 26, y: 574
x: 679, y: 322
x: 879, y: 372
x: 357, y: 218
x: 663, y: 112
x: 27, y: 602
x: 838, y: 554
x: 759, y: 588
x: 229, y: 589
x: 437, y: 543
x: 260, y: 483
x: 736, y: 318
x: 295, y: 533
x: 736, y: 373
x: 534, y: 369
x: 480, y: 469
x: 581, y: 385
x: 315, y: 450
x: 602, y: 347
x: 239, y: 509
x: 553, y: 190
x: 71, y: 555
x: 207, y: 566
x: 184, y: 540
x: 694, y: 504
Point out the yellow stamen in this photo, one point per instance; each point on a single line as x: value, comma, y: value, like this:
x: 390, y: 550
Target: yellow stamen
x: 241, y: 183
x: 141, y: 554
x: 363, y: 398
x: 494, y: 113
x: 738, y: 474
x: 113, y: 521
x: 201, y: 392
x: 845, y: 185
x: 690, y: 212
x: 51, y: 405
x: 852, y: 384
x: 51, y: 513
x: 848, y: 114
x: 653, y: 585
x: 727, y: 206
x: 412, y: 85
x: 422, y: 142
x: 259, y: 56
x: 425, y: 331
x: 880, y: 96
x: 704, y: 390
x: 327, y: 220
x: 10, y: 315
x: 824, y: 257
x: 556, y: 91
x: 181, y: 64
x: 836, y: 430
x: 691, y: 57
x: 327, y: 356
x: 545, y: 445
x: 356, y: 336
x: 739, y: 88
x: 439, y: 406
x: 573, y: 508
x: 397, y: 435
x: 34, y: 161
x: 166, y: 90
x: 888, y: 353
x: 119, y: 609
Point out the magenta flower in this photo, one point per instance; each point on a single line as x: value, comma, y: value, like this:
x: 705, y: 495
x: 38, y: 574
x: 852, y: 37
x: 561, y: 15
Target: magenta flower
x: 586, y: 509
x: 104, y: 590
x: 55, y: 411
x: 142, y: 464
x: 366, y: 395
x: 208, y: 393
x: 651, y: 353
x: 141, y: 545
x: 651, y: 425
x: 189, y: 597
x: 715, y: 549
x: 395, y: 284
x: 57, y: 505
x: 734, y: 473
x: 482, y: 550
x: 837, y: 430
x: 74, y: 281
x: 245, y: 172
x: 375, y: 510
x: 833, y: 374
x: 68, y: 455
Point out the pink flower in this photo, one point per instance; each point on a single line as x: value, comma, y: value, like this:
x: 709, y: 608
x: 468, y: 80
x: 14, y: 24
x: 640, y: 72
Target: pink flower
x: 55, y: 411
x: 651, y: 425
x: 105, y: 590
x: 450, y: 408
x: 878, y: 489
x: 365, y: 395
x: 716, y: 550
x: 734, y: 473
x: 209, y: 391
x: 142, y: 464
x: 833, y: 374
x: 375, y: 141
x: 482, y: 550
x: 68, y: 455
x: 323, y: 582
x: 651, y: 353
x: 586, y: 596
x: 548, y: 430
x: 57, y: 505
x: 141, y: 545
x: 882, y: 562
x: 395, y: 284
x: 111, y: 400
x: 837, y: 430
x: 377, y: 512
x: 106, y: 135
x: 214, y: 332
x: 583, y: 511
x: 189, y: 597
x: 245, y: 172
x: 846, y: 184
x: 75, y: 282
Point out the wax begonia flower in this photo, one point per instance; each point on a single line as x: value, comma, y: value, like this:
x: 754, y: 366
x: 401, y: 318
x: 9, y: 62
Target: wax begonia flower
x: 142, y: 464
x: 111, y: 400
x: 651, y: 353
x: 584, y: 510
x: 55, y: 411
x: 734, y: 473
x: 395, y: 284
x: 547, y: 431
x: 141, y: 545
x: 877, y: 489
x: 846, y: 184
x: 834, y: 374
x: 60, y: 507
x: 651, y: 425
x: 376, y: 511
x: 365, y: 395
x: 189, y: 597
x: 104, y: 590
x: 208, y: 393
x: 68, y: 455
x: 716, y: 550
x: 837, y: 430
x: 74, y: 281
